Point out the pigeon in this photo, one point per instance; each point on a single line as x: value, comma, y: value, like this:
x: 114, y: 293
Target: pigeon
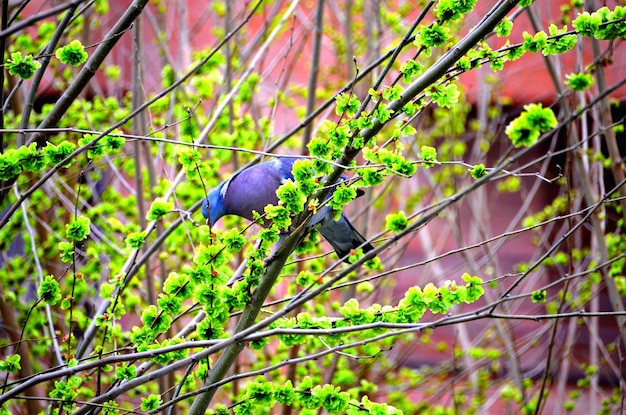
x: 255, y: 187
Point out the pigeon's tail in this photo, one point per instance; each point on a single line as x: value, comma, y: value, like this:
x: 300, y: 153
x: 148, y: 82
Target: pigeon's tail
x: 342, y: 236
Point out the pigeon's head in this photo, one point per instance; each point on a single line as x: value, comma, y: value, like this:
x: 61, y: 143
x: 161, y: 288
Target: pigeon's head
x: 213, y: 206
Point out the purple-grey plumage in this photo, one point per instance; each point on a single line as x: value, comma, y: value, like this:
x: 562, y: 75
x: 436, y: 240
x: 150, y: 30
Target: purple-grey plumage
x: 254, y: 188
x: 251, y: 189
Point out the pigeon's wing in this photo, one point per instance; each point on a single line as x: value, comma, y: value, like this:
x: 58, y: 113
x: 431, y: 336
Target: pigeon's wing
x: 342, y: 235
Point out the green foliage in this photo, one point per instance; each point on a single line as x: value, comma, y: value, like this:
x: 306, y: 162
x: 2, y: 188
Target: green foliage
x: 11, y: 364
x: 579, y: 81
x: 93, y: 150
x: 23, y: 67
x: 110, y: 408
x: 78, y: 229
x: 178, y: 284
x: 559, y: 42
x: 190, y: 160
x: 396, y: 222
x: 539, y: 296
x: 30, y: 159
x: 150, y: 403
x: 333, y: 400
x: 534, y: 120
x: 429, y: 156
x: 444, y: 95
x: 291, y: 197
x: 433, y: 36
x: 113, y: 144
x: 55, y: 154
x: 155, y: 320
x: 393, y: 160
x: 372, y: 177
x: 50, y: 290
x: 347, y: 104
x: 126, y: 372
x: 159, y: 209
x: 342, y: 196
x: 478, y: 171
x: 66, y: 392
x: 261, y: 393
x: 9, y: 165
x: 411, y: 69
x: 236, y: 242
x: 535, y: 43
x: 454, y: 9
x: 504, y: 28
x: 509, y: 185
x: 67, y: 251
x: 136, y: 240
x: 603, y: 24
x: 72, y: 54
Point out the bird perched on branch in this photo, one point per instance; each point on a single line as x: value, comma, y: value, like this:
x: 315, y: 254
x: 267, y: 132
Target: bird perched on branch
x: 254, y: 188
